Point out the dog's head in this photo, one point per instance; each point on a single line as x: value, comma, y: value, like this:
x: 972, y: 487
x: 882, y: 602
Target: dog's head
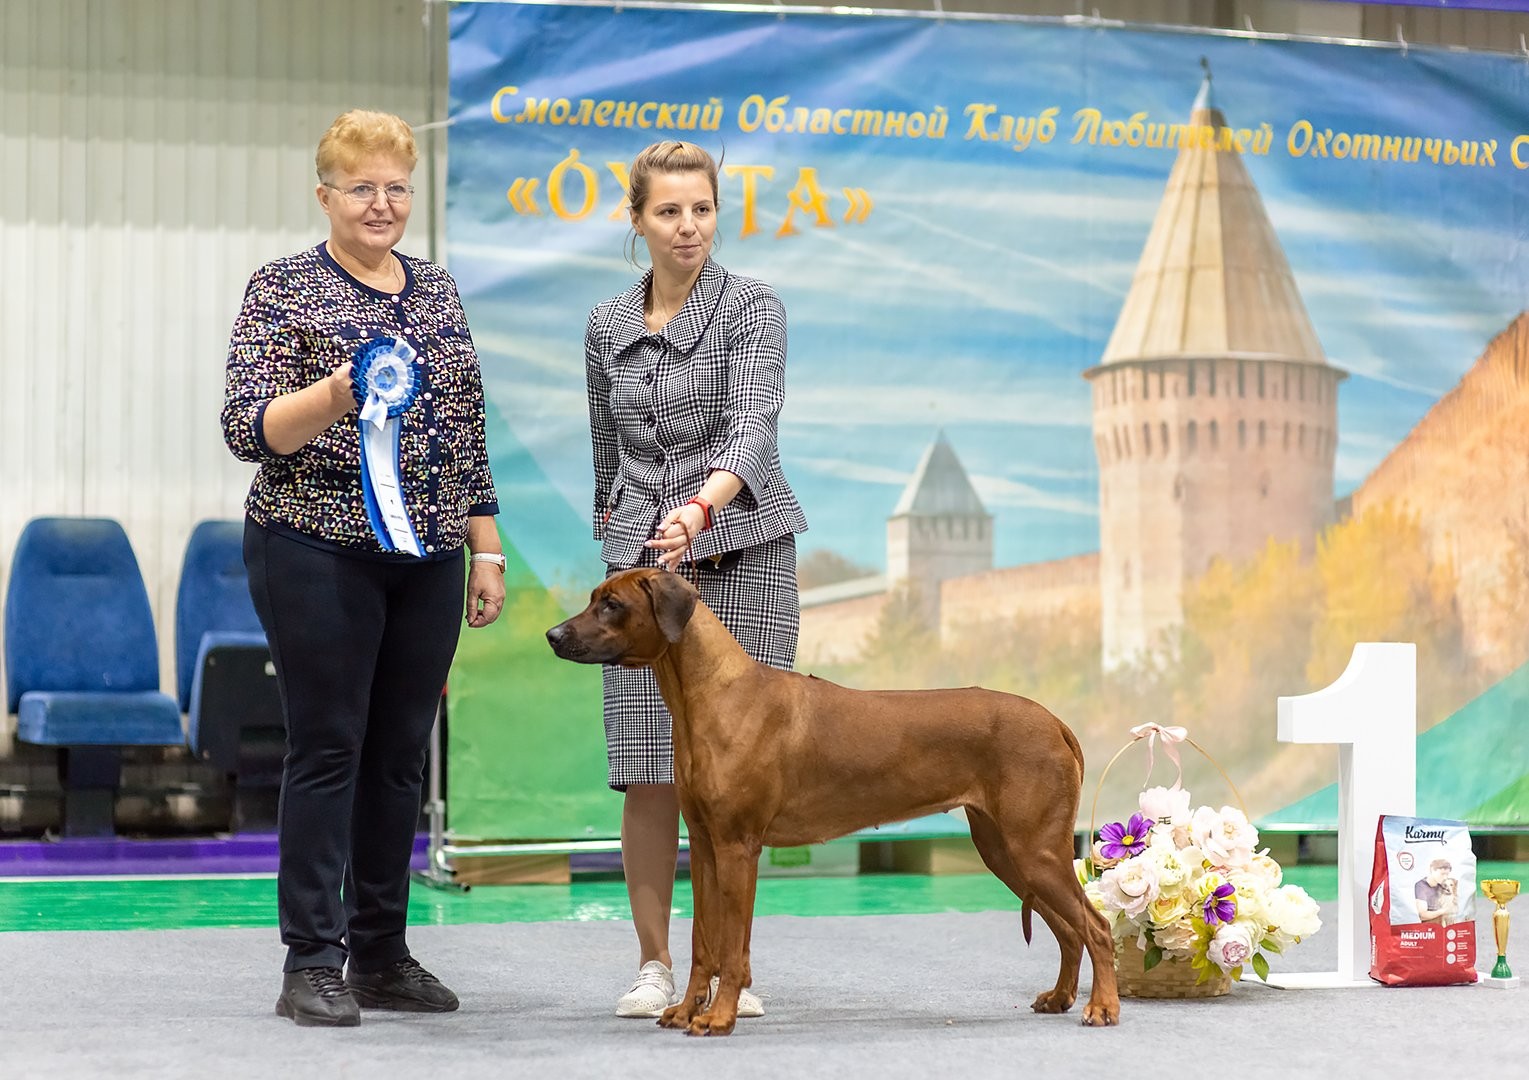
x: 632, y: 618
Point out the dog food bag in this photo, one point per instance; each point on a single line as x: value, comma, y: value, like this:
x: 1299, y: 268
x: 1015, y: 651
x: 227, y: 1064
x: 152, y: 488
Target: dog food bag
x: 1422, y: 908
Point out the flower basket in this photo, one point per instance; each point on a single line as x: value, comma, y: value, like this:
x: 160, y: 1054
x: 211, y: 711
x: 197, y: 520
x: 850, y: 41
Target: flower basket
x: 1189, y: 899
x: 1168, y: 979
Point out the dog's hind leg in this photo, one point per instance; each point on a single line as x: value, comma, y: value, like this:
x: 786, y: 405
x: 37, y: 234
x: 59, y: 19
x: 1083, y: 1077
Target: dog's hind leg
x: 1060, y: 997
x: 1050, y: 877
x: 995, y: 854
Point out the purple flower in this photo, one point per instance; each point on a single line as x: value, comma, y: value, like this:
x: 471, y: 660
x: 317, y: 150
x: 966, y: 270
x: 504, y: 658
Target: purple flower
x: 1219, y: 905
x: 1120, y: 841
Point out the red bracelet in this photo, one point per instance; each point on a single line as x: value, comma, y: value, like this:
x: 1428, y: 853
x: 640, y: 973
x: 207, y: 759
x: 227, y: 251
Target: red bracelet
x: 705, y: 509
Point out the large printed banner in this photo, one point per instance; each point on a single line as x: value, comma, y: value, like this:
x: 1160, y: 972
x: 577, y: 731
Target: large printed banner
x: 1140, y: 373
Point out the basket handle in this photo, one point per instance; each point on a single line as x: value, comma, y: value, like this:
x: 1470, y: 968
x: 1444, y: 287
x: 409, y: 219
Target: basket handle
x: 1147, y: 731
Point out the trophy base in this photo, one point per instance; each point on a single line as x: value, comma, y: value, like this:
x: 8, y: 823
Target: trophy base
x: 1510, y: 983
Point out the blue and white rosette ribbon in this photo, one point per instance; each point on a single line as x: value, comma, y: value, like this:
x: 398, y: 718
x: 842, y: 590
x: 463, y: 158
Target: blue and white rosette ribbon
x: 385, y: 380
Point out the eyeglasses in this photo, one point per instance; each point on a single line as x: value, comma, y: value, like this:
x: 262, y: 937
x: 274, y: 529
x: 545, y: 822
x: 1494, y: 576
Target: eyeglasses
x: 367, y: 193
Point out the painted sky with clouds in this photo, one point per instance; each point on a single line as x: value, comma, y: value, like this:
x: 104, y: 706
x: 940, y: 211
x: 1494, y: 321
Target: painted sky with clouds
x: 986, y: 280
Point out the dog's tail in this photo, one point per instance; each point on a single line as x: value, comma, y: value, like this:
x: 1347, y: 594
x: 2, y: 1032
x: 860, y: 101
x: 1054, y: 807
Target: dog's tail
x: 1024, y: 917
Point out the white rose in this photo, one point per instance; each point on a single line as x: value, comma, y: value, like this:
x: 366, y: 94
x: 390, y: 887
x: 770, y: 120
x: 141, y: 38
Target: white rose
x: 1166, y: 910
x: 1130, y: 887
x: 1266, y: 869
x: 1165, y: 804
x: 1176, y: 940
x: 1251, y: 898
x: 1294, y: 914
x: 1171, y: 869
x: 1231, y: 947
x: 1101, y: 905
x: 1226, y: 836
x: 1193, y: 861
x: 1119, y: 925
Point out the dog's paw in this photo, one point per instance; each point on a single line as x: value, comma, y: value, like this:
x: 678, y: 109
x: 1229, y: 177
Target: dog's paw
x: 680, y: 1015
x: 676, y: 1016
x: 1053, y: 1001
x: 712, y: 1022
x: 1101, y: 1014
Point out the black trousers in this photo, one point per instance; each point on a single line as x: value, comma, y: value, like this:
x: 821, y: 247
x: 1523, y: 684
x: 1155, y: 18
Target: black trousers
x: 362, y: 648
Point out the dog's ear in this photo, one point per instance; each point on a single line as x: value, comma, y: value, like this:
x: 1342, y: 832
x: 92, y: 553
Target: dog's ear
x: 674, y: 601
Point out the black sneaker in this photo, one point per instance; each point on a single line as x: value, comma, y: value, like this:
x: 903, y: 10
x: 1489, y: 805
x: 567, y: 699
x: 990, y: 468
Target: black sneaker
x: 317, y: 997
x: 404, y: 986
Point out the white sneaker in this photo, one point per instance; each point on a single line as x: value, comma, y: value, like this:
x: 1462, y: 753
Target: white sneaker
x: 650, y: 995
x: 749, y: 1006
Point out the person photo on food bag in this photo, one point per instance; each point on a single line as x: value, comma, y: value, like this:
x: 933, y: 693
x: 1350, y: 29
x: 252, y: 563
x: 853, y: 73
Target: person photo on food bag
x: 1436, y: 897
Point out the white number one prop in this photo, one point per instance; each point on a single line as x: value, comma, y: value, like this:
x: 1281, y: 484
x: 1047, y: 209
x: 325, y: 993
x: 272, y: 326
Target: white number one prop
x: 1371, y: 713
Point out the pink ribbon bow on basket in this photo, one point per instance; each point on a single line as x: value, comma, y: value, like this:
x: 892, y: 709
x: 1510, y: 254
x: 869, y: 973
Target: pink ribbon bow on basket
x: 1171, y: 735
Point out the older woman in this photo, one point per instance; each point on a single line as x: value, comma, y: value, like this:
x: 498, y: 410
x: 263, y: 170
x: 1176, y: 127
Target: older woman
x: 353, y: 381
x: 686, y: 377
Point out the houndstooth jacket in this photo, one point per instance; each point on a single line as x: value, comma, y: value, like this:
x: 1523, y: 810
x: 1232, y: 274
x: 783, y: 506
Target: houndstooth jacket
x: 666, y: 409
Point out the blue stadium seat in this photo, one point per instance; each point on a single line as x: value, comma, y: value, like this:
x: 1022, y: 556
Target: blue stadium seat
x: 224, y: 674
x: 81, y: 660
x: 212, y: 605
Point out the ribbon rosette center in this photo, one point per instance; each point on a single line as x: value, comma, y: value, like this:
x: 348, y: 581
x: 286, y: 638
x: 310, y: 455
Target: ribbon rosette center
x: 385, y: 378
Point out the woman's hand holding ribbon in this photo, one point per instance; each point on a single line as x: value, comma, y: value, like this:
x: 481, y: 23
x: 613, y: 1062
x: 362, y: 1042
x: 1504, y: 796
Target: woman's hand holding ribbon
x: 485, y: 594
x: 340, y: 391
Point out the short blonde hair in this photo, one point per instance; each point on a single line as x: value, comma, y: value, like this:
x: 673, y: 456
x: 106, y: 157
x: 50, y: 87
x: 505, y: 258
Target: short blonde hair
x: 669, y: 156
x: 360, y: 134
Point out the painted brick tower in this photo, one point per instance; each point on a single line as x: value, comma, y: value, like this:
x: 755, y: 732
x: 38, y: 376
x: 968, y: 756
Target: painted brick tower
x: 1215, y: 411
x: 939, y: 528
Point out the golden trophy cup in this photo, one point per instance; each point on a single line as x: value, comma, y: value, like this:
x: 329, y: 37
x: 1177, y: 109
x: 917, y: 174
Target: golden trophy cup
x: 1500, y: 891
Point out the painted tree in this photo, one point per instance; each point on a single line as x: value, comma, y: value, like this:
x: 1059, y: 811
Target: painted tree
x: 1379, y: 582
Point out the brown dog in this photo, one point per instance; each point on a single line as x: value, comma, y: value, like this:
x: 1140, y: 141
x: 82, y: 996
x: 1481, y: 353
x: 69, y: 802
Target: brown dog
x: 763, y: 756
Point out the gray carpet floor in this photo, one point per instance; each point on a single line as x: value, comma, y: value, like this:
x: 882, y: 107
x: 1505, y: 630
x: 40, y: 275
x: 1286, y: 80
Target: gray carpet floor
x: 871, y: 996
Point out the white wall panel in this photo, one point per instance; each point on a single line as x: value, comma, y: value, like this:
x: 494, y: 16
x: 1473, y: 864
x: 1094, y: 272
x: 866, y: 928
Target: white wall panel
x: 154, y: 152
x: 1496, y: 31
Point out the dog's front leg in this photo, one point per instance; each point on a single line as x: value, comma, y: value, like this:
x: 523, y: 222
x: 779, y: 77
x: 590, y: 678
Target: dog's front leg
x: 703, y: 962
x: 737, y: 871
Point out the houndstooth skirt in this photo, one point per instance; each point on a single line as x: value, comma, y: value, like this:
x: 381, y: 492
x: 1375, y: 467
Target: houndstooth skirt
x: 757, y: 599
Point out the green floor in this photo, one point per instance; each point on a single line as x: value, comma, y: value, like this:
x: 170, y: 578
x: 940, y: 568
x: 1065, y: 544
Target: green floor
x: 175, y: 903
